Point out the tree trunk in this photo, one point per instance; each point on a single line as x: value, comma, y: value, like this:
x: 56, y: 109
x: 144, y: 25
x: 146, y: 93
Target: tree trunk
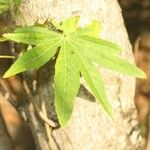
x: 89, y: 128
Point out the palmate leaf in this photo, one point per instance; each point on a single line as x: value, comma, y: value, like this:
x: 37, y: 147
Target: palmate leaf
x: 79, y: 48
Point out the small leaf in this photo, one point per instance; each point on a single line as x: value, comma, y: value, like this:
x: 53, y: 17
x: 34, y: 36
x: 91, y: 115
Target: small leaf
x: 66, y: 83
x: 3, y: 8
x: 92, y: 29
x: 56, y: 25
x: 70, y: 25
x: 33, y: 58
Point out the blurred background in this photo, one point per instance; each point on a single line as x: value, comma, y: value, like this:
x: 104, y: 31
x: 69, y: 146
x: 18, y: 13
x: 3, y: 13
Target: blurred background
x: 14, y: 129
x: 136, y: 15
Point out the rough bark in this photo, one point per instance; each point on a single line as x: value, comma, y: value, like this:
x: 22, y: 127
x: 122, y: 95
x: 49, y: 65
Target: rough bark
x: 89, y: 127
x: 5, y: 141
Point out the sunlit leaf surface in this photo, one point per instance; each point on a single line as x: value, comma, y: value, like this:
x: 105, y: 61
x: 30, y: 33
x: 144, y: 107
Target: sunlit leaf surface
x: 79, y: 49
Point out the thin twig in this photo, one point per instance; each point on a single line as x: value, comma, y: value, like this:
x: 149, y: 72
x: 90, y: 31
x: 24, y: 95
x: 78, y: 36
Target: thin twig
x: 5, y: 56
x: 39, y: 112
x: 43, y: 115
x: 48, y: 128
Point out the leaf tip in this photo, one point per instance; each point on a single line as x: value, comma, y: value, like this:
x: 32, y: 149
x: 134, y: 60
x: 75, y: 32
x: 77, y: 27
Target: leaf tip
x: 6, y: 75
x: 144, y: 76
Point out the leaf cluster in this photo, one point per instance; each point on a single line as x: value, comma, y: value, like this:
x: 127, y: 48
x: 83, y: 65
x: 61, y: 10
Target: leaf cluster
x: 79, y: 50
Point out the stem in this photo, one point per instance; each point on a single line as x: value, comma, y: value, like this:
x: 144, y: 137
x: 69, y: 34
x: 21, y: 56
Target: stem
x: 3, y: 56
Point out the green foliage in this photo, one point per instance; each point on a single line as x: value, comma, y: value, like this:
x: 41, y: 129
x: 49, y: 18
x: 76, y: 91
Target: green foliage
x: 4, y: 5
x: 16, y: 2
x: 78, y: 49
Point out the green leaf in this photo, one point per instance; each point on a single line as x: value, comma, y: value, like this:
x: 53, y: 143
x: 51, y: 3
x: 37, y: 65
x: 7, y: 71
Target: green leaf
x: 93, y: 79
x: 79, y: 49
x: 90, y: 47
x: 66, y: 83
x: 33, y: 29
x: 16, y: 2
x: 3, y: 8
x: 56, y: 24
x: 118, y: 65
x: 92, y: 29
x: 70, y: 25
x: 4, y: 5
x: 102, y: 44
x: 31, y: 35
x: 4, y: 2
x: 2, y: 39
x: 33, y: 58
x: 108, y: 60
